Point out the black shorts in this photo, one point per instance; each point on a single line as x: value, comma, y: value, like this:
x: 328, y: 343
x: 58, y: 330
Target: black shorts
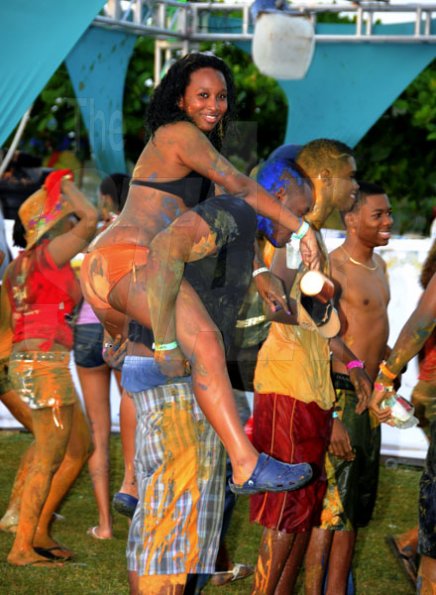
x: 222, y: 279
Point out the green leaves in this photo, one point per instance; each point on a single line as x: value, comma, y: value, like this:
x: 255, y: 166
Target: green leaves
x: 399, y: 153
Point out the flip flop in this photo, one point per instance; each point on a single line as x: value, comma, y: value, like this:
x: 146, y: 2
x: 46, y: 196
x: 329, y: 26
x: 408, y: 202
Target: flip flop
x: 271, y: 475
x: 239, y: 571
x: 49, y: 552
x: 92, y: 532
x: 408, y: 563
x: 124, y: 504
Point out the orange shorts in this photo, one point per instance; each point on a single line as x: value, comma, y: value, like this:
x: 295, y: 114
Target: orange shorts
x: 104, y: 267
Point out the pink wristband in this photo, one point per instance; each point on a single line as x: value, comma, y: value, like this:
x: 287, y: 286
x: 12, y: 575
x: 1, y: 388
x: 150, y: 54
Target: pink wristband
x: 355, y: 363
x: 379, y: 386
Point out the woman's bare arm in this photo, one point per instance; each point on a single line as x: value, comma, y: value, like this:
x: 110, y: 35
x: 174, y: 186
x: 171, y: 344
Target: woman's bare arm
x: 62, y: 248
x: 193, y: 150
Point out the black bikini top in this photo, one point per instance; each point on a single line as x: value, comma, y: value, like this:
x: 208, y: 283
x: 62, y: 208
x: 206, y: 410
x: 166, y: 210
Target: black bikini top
x: 192, y: 189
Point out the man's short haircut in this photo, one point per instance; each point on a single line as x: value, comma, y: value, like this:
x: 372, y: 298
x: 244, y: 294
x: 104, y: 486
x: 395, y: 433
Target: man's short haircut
x: 322, y: 153
x: 365, y: 189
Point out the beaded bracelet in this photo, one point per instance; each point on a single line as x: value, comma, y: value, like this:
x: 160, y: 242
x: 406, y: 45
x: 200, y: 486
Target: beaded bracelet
x: 165, y: 346
x: 301, y: 231
x: 259, y: 271
x: 355, y: 363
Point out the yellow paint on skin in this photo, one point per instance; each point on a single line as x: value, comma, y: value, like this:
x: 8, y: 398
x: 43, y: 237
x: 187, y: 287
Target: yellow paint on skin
x: 206, y: 245
x: 165, y: 584
x: 263, y: 568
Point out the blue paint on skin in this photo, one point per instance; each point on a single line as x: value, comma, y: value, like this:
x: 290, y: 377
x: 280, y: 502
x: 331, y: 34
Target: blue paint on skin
x: 171, y: 210
x: 271, y: 178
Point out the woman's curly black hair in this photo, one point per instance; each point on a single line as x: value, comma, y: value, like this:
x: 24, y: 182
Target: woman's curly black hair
x: 163, y: 107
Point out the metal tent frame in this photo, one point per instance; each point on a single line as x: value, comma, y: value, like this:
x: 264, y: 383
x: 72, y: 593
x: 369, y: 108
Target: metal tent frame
x: 179, y: 26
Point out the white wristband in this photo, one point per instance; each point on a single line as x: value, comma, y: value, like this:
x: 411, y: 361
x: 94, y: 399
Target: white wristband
x: 259, y: 271
x: 301, y: 232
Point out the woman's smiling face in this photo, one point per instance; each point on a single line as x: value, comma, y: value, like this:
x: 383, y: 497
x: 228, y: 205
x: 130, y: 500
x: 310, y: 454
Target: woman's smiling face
x: 205, y: 98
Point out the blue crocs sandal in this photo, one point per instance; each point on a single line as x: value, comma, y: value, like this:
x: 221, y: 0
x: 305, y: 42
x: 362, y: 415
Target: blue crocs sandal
x: 271, y: 475
x: 124, y: 504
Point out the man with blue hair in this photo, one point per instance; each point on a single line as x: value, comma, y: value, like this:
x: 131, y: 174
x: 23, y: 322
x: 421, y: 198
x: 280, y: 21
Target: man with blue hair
x: 294, y: 395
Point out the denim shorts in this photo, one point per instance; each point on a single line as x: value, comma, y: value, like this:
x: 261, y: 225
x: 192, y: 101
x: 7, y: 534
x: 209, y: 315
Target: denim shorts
x: 142, y: 373
x: 88, y: 345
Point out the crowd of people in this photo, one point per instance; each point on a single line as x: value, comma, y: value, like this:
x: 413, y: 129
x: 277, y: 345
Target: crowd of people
x: 169, y: 277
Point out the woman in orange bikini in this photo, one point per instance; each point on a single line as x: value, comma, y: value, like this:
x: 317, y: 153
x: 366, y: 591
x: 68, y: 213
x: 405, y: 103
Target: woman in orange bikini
x: 178, y: 168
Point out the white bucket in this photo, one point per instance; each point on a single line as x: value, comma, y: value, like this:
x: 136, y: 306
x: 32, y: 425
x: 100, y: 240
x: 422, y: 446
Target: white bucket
x: 283, y: 45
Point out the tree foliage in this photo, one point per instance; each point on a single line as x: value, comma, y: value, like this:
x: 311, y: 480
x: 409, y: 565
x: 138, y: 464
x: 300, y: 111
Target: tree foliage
x: 399, y: 152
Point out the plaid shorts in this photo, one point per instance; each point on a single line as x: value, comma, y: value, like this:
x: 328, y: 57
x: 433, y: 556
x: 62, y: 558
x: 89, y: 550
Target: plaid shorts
x: 180, y: 471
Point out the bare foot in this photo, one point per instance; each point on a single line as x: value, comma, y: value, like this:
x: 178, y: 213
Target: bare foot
x: 98, y: 533
x: 31, y: 558
x: 9, y: 522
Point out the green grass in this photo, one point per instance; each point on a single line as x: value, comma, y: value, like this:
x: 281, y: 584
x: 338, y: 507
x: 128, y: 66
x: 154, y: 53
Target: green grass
x: 99, y: 567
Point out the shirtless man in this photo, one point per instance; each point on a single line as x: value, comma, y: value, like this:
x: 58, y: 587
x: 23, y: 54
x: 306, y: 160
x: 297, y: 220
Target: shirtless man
x: 353, y: 457
x: 294, y: 394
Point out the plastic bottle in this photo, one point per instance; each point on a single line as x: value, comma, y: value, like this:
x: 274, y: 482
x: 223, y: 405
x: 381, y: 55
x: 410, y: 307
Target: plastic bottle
x: 401, y: 410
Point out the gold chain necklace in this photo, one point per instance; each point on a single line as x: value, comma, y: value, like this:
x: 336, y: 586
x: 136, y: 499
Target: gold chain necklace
x: 360, y: 264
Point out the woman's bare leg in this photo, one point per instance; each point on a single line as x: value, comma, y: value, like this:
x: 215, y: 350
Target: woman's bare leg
x: 128, y: 429
x: 50, y: 445
x: 9, y: 520
x: 95, y: 384
x: 18, y: 408
x: 23, y: 414
x: 201, y: 342
x: 75, y: 456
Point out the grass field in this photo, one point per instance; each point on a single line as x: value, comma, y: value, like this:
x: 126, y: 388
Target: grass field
x: 99, y: 566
